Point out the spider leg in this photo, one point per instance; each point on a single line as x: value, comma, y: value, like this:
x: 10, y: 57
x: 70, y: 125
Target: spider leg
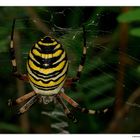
x: 78, y: 107
x: 27, y: 105
x: 66, y: 110
x: 21, y: 99
x: 71, y: 81
x: 15, y: 72
x: 83, y: 58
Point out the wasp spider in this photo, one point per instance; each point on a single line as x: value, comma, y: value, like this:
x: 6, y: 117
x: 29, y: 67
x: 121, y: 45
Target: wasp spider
x: 47, y: 67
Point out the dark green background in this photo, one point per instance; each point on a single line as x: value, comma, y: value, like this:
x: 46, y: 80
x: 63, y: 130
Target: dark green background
x: 111, y: 70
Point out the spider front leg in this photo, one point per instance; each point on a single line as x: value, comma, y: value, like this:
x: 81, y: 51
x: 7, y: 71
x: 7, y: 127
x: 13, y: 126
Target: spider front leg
x: 71, y: 81
x: 79, y: 108
x: 15, y: 72
x: 83, y: 58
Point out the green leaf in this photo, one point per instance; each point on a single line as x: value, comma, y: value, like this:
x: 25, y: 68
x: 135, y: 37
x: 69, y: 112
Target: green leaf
x: 100, y: 90
x: 135, y: 32
x: 103, y: 103
x: 130, y: 16
x: 10, y: 127
x: 93, y: 64
x: 98, y: 81
x: 3, y: 47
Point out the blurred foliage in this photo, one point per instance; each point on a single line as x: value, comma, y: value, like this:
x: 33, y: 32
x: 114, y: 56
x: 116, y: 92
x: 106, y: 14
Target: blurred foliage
x: 97, y: 86
x: 132, y: 16
x: 10, y: 128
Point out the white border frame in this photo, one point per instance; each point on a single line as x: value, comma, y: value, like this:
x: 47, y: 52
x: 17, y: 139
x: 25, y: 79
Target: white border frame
x: 70, y: 3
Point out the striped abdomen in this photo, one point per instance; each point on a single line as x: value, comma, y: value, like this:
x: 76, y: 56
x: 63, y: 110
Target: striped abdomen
x: 47, y: 66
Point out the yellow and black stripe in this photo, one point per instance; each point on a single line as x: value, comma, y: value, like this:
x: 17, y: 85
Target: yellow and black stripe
x: 47, y: 66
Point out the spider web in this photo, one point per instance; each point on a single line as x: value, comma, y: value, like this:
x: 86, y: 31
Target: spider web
x: 70, y: 35
x: 102, y: 57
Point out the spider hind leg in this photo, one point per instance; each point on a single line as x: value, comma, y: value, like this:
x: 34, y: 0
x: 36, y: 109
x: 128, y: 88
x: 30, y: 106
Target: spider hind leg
x: 21, y: 99
x: 27, y: 105
x: 68, y: 113
x: 77, y: 107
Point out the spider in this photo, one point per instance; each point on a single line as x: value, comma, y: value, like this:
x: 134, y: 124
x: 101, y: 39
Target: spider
x: 47, y: 67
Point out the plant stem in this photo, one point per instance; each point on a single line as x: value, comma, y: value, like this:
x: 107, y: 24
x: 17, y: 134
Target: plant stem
x: 24, y: 123
x: 122, y: 64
